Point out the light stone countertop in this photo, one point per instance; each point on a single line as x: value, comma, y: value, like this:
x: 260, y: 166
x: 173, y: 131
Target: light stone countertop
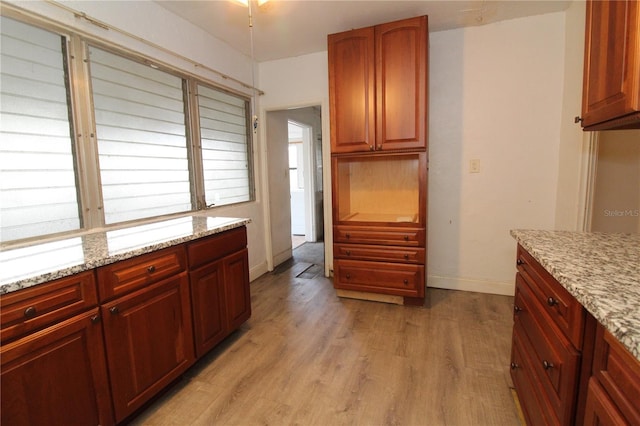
x: 37, y: 263
x: 602, y: 271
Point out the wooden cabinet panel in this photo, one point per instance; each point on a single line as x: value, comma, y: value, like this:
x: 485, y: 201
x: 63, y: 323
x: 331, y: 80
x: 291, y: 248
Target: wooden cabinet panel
x: 149, y: 341
x: 378, y: 87
x: 600, y: 410
x: 237, y: 297
x: 379, y: 253
x: 216, y: 246
x: 535, y: 405
x: 379, y: 235
x: 401, y: 84
x: 127, y: 275
x: 208, y: 304
x: 33, y: 308
x: 611, y: 87
x: 565, y: 311
x: 351, y: 88
x: 379, y: 277
x: 555, y: 360
x: 57, y: 376
x: 618, y: 373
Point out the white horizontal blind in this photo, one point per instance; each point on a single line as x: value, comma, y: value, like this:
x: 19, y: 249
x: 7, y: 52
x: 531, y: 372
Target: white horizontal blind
x: 38, y: 194
x: 142, y: 144
x: 225, y: 155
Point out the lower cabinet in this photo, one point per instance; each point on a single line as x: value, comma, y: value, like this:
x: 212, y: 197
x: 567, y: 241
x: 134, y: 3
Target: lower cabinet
x: 92, y: 348
x: 57, y: 376
x: 149, y: 341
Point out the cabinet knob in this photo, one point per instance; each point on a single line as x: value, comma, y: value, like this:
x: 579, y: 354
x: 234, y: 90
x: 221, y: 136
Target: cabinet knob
x: 405, y: 281
x: 348, y: 252
x: 551, y: 301
x: 151, y: 269
x: 114, y: 310
x: 348, y: 276
x: 406, y: 238
x: 517, y: 309
x: 547, y: 365
x: 514, y: 365
x: 371, y: 147
x: 406, y: 257
x: 30, y: 312
x: 519, y: 262
x: 95, y: 319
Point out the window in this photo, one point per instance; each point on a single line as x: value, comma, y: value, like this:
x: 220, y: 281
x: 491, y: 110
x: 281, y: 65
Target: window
x: 142, y: 139
x: 152, y: 155
x: 38, y: 194
x: 225, y: 154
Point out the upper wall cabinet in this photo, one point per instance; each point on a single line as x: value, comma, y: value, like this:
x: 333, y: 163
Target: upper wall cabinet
x: 378, y: 87
x: 611, y: 86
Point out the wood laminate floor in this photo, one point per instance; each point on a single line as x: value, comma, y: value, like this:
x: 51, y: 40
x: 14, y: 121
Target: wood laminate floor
x: 307, y: 357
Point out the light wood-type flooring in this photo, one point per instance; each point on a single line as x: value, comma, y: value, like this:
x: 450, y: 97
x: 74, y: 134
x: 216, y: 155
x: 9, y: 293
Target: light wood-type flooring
x: 307, y: 357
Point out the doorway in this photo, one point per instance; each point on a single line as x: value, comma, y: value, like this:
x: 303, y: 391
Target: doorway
x: 296, y: 199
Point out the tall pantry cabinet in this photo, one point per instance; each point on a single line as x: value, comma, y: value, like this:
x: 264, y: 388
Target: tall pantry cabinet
x: 378, y: 112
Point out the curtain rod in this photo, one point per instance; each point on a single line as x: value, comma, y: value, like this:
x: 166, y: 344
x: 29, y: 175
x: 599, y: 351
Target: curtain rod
x: 104, y: 25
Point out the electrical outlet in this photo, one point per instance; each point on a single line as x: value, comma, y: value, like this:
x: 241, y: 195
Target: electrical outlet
x: 474, y: 166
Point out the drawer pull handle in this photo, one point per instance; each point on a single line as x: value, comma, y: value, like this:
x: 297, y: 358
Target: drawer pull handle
x: 519, y: 262
x: 406, y: 257
x: 114, y: 310
x: 406, y: 282
x: 348, y: 252
x: 348, y: 276
x: 547, y: 365
x: 30, y: 312
x: 151, y: 269
x: 551, y: 301
x: 348, y: 235
x: 95, y: 319
x: 406, y: 238
x: 514, y: 365
x: 517, y: 309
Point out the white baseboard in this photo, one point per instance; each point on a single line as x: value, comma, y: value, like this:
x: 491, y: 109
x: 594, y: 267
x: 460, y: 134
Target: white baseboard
x: 258, y: 271
x: 481, y: 286
x: 282, y: 257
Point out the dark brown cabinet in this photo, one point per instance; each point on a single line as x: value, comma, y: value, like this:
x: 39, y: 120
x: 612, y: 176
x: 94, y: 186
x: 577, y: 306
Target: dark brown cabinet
x: 614, y: 388
x: 149, y: 341
x: 219, y: 278
x: 53, y: 362
x: 378, y: 87
x: 611, y: 86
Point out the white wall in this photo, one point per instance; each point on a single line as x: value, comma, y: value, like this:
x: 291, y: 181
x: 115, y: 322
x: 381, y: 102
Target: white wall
x: 149, y: 21
x: 495, y: 95
x: 300, y: 82
x: 574, y: 143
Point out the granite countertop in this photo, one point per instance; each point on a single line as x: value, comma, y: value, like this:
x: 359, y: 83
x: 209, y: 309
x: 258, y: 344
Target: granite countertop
x: 37, y: 263
x: 602, y: 271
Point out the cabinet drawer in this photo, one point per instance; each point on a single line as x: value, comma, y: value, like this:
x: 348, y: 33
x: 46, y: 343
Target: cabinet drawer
x: 565, y: 311
x: 24, y: 311
x: 414, y: 237
x: 554, y: 360
x: 378, y: 277
x: 128, y: 275
x: 380, y: 253
x: 619, y: 374
x: 535, y: 404
x: 216, y: 246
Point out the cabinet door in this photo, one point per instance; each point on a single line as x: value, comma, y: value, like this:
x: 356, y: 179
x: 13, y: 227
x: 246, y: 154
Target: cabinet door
x: 612, y: 62
x: 236, y: 285
x: 600, y: 410
x: 208, y: 304
x: 57, y: 376
x: 351, y: 90
x: 401, y: 84
x: 149, y: 341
